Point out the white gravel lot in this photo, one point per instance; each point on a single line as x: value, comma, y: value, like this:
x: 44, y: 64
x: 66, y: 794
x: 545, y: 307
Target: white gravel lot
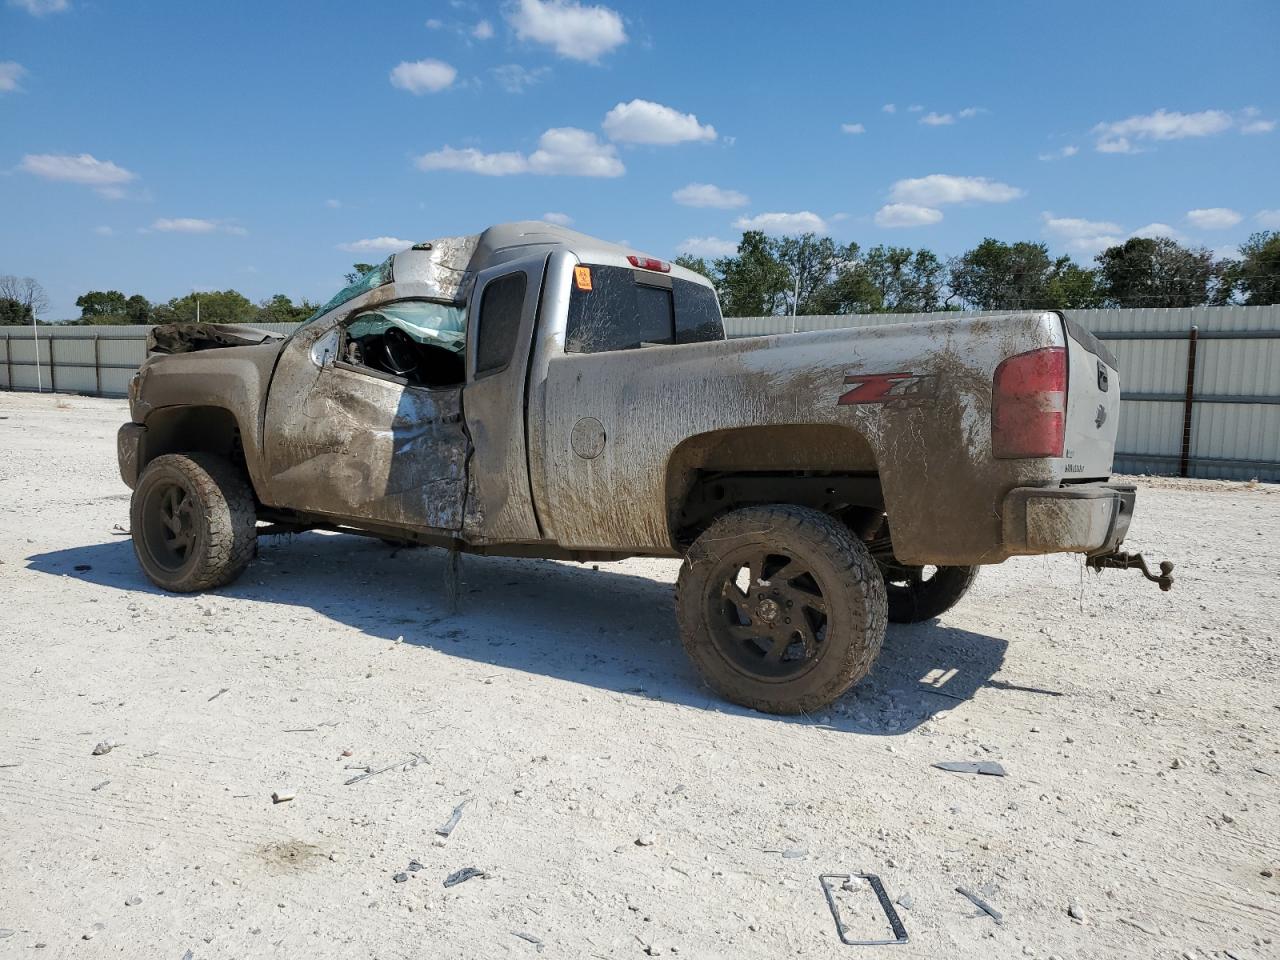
x: 1138, y: 729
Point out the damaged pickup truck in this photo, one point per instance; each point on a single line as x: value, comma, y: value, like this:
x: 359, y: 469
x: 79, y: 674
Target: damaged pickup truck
x: 534, y: 392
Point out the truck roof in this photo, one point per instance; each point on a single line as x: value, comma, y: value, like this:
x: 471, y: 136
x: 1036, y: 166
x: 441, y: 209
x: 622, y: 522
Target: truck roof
x: 451, y: 263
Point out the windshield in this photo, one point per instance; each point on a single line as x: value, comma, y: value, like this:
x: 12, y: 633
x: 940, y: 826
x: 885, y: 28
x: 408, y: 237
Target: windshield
x: 431, y: 324
x: 374, y: 278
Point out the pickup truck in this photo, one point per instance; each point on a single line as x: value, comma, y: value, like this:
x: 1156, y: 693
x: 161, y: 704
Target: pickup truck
x: 531, y: 391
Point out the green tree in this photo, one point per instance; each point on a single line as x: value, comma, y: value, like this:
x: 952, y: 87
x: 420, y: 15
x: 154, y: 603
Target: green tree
x: 358, y: 270
x: 1003, y: 276
x: 1156, y: 272
x: 216, y: 306
x: 1256, y: 275
x: 814, y: 263
x: 101, y: 303
x: 138, y: 309
x: 281, y: 309
x: 1072, y: 287
x: 22, y: 299
x: 906, y: 280
x: 754, y: 282
x: 696, y: 264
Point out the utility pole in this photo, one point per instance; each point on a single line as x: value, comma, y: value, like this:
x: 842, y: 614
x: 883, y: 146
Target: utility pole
x: 197, y: 309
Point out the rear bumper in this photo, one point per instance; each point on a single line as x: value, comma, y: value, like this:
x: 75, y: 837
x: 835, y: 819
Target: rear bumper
x: 129, y: 452
x: 1084, y: 518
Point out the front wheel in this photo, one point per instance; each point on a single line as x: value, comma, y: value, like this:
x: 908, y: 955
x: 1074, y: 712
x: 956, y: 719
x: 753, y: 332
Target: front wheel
x: 922, y: 593
x: 194, y: 522
x: 780, y: 608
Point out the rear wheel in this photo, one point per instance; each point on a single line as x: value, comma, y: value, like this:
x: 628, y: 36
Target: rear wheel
x: 922, y: 593
x: 781, y: 608
x: 194, y: 522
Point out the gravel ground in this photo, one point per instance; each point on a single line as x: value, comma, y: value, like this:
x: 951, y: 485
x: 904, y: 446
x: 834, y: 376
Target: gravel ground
x: 617, y: 808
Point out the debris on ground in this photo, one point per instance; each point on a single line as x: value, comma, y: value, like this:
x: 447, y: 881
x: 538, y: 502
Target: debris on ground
x: 105, y: 746
x: 985, y: 767
x: 282, y: 796
x: 82, y: 568
x: 854, y: 882
x: 794, y: 853
x: 647, y: 840
x: 447, y: 827
x: 400, y: 877
x: 981, y: 904
x: 463, y: 875
x: 1074, y: 912
x: 100, y: 786
x: 218, y: 694
x: 413, y: 761
x: 528, y: 938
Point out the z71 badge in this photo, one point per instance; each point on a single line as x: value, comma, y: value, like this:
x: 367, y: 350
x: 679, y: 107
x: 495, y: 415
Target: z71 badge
x: 886, y: 387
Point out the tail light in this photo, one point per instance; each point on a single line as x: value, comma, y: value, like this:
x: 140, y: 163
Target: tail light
x: 1029, y: 405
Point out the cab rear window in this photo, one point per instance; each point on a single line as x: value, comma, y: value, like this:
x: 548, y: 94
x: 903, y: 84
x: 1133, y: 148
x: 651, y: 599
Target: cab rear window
x: 625, y: 309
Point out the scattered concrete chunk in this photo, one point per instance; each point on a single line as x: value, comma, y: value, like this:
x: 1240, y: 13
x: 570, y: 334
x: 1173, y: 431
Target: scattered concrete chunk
x: 986, y: 767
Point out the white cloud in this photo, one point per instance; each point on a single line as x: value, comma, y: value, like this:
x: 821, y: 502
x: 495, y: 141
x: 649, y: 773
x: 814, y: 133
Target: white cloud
x: 906, y: 215
x: 82, y: 168
x: 937, y: 119
x: 709, y: 195
x: 783, y: 223
x: 514, y: 78
x: 104, y: 231
x: 195, y: 225
x: 333, y: 204
x: 707, y: 247
x: 643, y: 121
x: 483, y: 30
x: 914, y: 108
x: 853, y: 128
x: 10, y: 73
x: 1268, y: 218
x: 968, y: 112
x: 1258, y: 126
x: 376, y: 245
x: 561, y: 150
x: 1118, y: 136
x: 573, y: 30
x: 940, y: 188
x: 890, y: 108
x: 561, y: 219
x: 434, y: 24
x: 568, y: 150
x: 471, y: 160
x: 423, y: 76
x: 1067, y: 151
x: 38, y: 8
x: 1154, y: 230
x: 1214, y: 218
x: 1084, y: 236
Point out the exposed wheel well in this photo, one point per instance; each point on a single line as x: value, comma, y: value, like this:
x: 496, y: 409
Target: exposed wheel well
x: 192, y: 429
x: 827, y: 467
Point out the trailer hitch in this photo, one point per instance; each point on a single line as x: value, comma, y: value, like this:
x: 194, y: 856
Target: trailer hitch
x: 1123, y: 560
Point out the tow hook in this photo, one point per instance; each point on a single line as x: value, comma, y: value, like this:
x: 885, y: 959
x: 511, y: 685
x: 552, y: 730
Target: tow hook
x: 1123, y: 560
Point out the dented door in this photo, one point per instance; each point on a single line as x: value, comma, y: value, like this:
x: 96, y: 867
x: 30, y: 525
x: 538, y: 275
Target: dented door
x: 350, y: 443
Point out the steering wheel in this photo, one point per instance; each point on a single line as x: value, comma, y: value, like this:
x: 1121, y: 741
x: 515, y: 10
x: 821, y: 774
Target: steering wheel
x: 399, y: 352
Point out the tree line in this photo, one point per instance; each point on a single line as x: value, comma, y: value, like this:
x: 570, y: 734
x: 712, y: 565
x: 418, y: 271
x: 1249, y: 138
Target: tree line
x: 813, y: 275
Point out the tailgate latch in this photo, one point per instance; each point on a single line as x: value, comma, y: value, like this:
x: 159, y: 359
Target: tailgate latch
x: 1123, y: 560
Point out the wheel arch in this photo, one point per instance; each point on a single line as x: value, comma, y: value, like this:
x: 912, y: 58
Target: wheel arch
x: 825, y: 466
x: 202, y: 428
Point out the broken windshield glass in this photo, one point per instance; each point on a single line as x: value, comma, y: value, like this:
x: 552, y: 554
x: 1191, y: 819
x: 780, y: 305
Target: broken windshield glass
x: 374, y: 278
x: 431, y: 324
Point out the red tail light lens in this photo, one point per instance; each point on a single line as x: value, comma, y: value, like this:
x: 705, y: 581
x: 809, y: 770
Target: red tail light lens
x: 1029, y: 405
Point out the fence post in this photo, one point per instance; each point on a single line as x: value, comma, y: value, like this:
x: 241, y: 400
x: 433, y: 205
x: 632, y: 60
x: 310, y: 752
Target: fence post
x: 8, y: 359
x: 53, y: 369
x: 97, y: 367
x: 1188, y: 404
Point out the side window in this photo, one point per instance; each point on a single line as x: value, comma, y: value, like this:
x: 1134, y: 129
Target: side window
x: 616, y: 308
x: 697, y: 312
x: 500, y: 309
x: 418, y: 341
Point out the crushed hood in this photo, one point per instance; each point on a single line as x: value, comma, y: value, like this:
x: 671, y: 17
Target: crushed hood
x: 188, y: 337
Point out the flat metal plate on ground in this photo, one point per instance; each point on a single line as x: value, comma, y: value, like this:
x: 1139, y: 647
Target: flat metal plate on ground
x: 842, y: 884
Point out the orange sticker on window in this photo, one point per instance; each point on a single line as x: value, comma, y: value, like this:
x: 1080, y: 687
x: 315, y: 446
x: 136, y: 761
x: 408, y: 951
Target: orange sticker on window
x: 582, y: 278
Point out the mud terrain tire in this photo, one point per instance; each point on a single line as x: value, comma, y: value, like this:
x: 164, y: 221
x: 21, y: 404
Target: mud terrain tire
x: 193, y: 521
x: 915, y: 600
x: 808, y: 626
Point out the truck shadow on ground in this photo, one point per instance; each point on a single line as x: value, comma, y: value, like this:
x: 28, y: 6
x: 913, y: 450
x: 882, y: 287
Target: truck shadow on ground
x: 595, y: 626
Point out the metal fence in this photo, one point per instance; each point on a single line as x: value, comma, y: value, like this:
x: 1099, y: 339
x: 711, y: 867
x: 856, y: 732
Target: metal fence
x: 1201, y: 385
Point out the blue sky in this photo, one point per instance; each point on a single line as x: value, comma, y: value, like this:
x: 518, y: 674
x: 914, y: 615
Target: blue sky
x: 157, y: 147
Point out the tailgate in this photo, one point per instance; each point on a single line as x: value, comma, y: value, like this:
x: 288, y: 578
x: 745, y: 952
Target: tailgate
x: 1093, y: 405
